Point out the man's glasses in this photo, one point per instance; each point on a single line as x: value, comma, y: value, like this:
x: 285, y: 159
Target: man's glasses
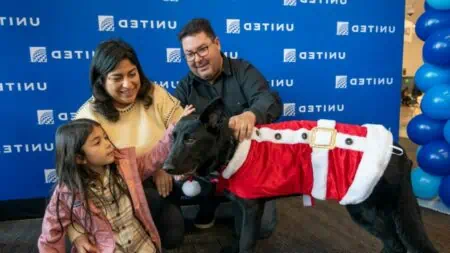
x: 201, y: 52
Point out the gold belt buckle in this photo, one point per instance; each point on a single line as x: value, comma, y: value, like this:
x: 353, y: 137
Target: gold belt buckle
x: 332, y: 142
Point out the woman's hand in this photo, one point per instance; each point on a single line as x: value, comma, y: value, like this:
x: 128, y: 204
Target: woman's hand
x: 163, y: 182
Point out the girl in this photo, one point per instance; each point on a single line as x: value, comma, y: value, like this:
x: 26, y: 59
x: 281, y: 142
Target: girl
x: 100, y: 190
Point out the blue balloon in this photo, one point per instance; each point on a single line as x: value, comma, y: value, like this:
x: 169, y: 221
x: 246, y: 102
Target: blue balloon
x: 428, y: 75
x: 439, y: 4
x: 430, y: 22
x: 436, y: 49
x: 444, y: 191
x: 427, y: 6
x: 418, y: 150
x: 422, y: 130
x: 434, y: 158
x: 447, y: 131
x: 425, y: 186
x: 436, y: 102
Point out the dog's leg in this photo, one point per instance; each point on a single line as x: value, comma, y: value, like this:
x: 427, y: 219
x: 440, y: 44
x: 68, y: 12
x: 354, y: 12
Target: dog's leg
x: 247, y: 225
x: 251, y: 224
x: 379, y: 224
x: 408, y: 221
x: 396, y: 189
x: 269, y: 219
x: 391, y: 212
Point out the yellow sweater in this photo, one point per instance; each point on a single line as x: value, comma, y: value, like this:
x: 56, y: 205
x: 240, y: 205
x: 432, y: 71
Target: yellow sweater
x: 139, y: 127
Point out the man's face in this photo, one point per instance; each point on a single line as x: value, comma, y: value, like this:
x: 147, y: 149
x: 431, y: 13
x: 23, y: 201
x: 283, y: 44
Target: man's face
x: 202, y: 55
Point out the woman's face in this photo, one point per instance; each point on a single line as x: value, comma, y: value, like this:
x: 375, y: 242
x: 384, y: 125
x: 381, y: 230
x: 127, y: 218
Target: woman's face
x: 123, y: 83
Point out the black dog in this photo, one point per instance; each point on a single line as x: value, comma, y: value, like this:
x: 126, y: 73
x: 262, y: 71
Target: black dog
x: 391, y: 213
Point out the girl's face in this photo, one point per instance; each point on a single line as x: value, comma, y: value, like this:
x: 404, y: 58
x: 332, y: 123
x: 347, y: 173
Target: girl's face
x: 123, y: 83
x: 98, y: 150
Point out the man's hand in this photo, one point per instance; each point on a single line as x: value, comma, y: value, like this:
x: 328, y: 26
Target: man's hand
x: 163, y: 182
x: 83, y: 245
x: 243, y: 125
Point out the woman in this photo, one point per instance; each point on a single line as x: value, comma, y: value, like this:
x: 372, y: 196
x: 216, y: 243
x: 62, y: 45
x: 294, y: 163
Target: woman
x: 134, y: 112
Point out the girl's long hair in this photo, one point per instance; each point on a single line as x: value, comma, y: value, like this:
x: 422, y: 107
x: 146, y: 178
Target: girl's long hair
x: 70, y: 139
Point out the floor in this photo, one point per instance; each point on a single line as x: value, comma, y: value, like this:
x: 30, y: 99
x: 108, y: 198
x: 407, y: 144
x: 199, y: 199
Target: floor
x: 326, y: 228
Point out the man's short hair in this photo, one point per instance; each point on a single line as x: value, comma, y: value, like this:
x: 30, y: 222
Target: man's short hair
x: 196, y: 26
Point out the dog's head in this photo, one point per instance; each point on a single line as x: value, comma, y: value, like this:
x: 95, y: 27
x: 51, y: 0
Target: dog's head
x: 200, y: 142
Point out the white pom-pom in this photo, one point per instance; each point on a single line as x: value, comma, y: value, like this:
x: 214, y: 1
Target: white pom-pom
x: 191, y: 188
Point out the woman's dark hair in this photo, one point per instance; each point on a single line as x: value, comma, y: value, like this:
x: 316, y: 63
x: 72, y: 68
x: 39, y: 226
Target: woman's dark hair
x: 69, y: 141
x: 107, y: 56
x: 196, y: 26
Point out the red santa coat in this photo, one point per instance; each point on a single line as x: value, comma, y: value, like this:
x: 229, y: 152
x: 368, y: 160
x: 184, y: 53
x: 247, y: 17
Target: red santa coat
x: 323, y: 159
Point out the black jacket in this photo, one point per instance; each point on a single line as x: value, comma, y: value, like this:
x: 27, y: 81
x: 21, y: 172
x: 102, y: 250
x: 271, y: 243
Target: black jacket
x: 241, y: 86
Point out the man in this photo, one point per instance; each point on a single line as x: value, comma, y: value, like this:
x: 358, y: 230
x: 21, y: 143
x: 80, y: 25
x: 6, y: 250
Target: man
x: 241, y: 86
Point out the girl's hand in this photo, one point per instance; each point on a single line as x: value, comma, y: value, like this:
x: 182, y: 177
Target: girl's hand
x: 83, y: 245
x: 188, y: 110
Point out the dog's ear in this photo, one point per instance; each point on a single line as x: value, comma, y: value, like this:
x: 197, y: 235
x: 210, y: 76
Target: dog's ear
x: 213, y: 113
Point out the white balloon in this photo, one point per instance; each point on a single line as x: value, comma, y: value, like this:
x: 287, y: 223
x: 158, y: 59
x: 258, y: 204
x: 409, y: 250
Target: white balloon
x: 191, y: 188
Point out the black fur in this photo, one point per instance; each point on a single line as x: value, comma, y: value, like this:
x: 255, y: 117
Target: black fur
x: 391, y: 212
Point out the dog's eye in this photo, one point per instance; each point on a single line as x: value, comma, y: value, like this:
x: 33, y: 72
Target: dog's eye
x: 189, y: 140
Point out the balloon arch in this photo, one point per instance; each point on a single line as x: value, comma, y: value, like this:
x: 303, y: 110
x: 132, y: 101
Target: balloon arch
x: 431, y: 129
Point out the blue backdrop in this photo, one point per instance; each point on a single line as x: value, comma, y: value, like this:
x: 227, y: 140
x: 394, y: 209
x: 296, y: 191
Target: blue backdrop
x: 338, y: 59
